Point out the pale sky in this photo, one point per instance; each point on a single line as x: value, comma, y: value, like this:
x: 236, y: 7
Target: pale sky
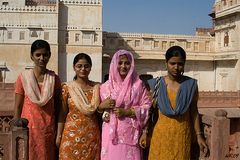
x: 156, y: 16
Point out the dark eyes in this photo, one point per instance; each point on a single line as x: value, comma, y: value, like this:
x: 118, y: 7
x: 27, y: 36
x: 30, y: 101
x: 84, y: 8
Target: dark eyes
x: 42, y: 54
x: 180, y: 64
x: 80, y: 66
x: 125, y: 63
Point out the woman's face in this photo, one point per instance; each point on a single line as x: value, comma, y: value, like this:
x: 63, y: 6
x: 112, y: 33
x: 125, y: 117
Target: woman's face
x: 175, y: 66
x: 41, y: 57
x: 124, y: 66
x: 82, y: 68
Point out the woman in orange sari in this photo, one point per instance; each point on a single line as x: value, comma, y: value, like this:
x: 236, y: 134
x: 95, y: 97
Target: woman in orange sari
x: 78, y: 127
x: 38, y: 93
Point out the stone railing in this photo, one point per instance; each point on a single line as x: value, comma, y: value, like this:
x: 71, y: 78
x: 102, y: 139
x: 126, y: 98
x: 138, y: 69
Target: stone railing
x: 222, y: 136
x: 13, y: 134
x: 221, y: 118
x: 14, y: 139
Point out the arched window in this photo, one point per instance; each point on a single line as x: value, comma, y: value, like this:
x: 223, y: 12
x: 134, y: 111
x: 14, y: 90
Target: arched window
x: 226, y: 39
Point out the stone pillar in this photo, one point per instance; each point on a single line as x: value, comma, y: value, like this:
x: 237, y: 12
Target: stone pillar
x: 220, y: 135
x: 20, y: 140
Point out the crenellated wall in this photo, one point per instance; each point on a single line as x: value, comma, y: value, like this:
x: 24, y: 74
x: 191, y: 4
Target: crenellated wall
x: 20, y: 9
x: 82, y: 2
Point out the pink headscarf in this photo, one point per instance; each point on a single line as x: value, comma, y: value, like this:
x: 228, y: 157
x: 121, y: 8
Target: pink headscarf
x: 120, y: 90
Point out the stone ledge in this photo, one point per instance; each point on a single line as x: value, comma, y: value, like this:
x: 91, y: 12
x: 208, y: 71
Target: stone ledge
x: 231, y: 112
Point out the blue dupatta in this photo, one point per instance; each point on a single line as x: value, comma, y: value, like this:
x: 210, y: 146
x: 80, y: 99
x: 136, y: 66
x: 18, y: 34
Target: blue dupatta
x: 183, y: 100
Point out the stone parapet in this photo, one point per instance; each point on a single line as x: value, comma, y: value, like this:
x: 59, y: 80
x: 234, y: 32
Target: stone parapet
x: 147, y: 35
x: 222, y: 136
x: 80, y: 28
x: 82, y: 2
x: 24, y: 25
x: 37, y: 9
x: 148, y: 46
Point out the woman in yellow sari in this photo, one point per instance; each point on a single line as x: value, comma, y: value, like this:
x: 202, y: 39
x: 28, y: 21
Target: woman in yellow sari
x: 176, y: 100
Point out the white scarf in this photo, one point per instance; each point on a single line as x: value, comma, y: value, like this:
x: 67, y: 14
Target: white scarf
x: 80, y: 100
x: 31, y: 87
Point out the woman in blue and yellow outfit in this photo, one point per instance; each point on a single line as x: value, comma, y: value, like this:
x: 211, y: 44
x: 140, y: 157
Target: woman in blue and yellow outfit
x: 178, y: 115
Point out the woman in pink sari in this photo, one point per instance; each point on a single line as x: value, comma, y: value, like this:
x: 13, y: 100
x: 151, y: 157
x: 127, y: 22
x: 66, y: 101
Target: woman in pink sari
x: 125, y: 102
x: 37, y: 97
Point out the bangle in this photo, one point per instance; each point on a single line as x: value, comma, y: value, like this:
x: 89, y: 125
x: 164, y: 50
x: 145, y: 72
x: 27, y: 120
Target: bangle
x: 145, y: 131
x: 132, y: 112
x: 199, y: 133
x: 99, y: 111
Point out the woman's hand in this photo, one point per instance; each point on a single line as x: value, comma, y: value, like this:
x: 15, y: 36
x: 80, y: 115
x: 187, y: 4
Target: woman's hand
x: 202, y: 145
x: 143, y: 140
x: 121, y: 112
x: 108, y: 103
x: 58, y: 141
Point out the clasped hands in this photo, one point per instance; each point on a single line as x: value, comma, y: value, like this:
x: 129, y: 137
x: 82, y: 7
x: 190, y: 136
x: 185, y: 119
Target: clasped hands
x: 109, y: 105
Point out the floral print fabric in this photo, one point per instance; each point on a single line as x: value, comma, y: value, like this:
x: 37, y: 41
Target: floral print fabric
x: 81, y: 134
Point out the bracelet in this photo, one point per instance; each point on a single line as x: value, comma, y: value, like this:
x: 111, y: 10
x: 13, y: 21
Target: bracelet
x: 199, y: 133
x: 99, y: 111
x: 145, y: 131
x: 132, y: 112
